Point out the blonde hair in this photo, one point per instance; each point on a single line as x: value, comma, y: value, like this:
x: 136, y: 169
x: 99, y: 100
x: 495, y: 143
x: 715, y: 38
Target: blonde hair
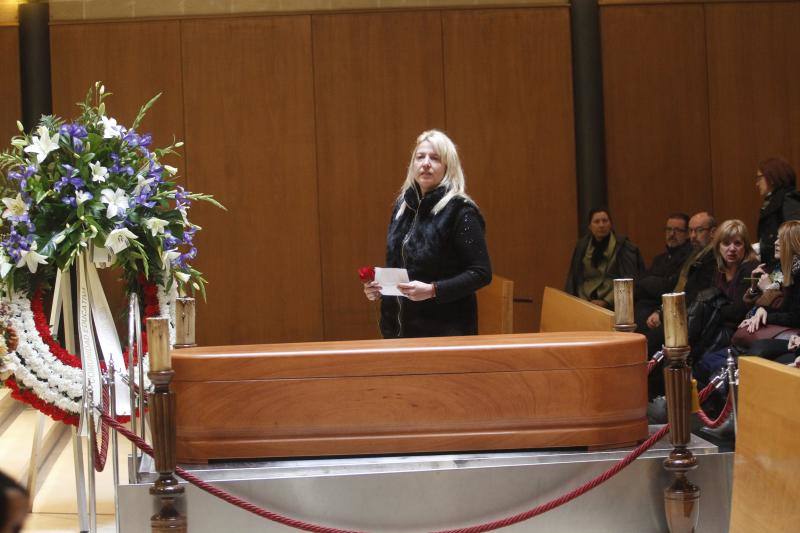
x: 453, y: 180
x: 789, y: 238
x: 728, y: 231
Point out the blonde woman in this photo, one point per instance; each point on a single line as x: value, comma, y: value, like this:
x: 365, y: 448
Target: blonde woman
x: 735, y: 258
x: 787, y: 248
x: 436, y: 233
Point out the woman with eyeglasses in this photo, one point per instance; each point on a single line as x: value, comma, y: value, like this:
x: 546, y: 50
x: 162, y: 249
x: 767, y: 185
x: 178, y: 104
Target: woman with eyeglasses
x: 599, y: 257
x: 775, y: 181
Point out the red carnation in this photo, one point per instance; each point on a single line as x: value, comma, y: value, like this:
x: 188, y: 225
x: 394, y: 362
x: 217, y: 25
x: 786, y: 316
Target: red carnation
x: 366, y: 274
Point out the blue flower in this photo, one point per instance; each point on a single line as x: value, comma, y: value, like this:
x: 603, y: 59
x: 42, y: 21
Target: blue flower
x: 77, y: 131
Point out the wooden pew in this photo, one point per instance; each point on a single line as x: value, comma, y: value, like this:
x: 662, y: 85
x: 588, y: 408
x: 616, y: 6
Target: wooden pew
x: 486, y: 392
x: 564, y: 312
x: 766, y: 471
x: 496, y: 307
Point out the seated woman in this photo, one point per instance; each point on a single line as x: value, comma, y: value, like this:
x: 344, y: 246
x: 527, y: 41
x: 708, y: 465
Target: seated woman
x: 599, y: 257
x: 436, y: 233
x: 772, y: 313
x: 722, y: 307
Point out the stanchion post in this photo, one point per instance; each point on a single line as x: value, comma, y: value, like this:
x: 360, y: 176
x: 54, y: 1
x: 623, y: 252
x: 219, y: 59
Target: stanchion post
x: 162, y: 427
x: 184, y: 322
x: 682, y: 497
x: 623, y: 305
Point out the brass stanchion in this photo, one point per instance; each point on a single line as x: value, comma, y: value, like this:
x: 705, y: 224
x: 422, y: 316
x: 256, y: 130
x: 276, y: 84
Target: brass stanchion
x: 162, y: 426
x: 184, y: 322
x: 682, y: 497
x: 623, y: 305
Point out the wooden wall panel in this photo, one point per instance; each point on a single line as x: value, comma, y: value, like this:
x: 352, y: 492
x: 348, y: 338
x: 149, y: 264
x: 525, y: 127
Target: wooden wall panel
x: 508, y: 82
x: 754, y: 75
x: 135, y: 61
x: 10, y: 102
x: 656, y: 113
x: 377, y: 88
x: 250, y: 142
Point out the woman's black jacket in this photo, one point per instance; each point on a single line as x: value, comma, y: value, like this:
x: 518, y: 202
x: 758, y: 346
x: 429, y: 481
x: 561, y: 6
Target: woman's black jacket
x: 626, y: 262
x: 782, y: 205
x: 448, y: 248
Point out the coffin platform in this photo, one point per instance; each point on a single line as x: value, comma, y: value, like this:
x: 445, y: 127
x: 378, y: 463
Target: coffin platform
x: 493, y: 392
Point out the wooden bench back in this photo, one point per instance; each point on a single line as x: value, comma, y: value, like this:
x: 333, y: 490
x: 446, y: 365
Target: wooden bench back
x: 496, y: 307
x: 766, y: 464
x: 564, y: 312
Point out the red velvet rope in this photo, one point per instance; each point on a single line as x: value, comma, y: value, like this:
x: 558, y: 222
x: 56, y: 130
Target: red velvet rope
x: 297, y: 524
x: 723, y: 416
x: 243, y: 504
x: 489, y: 526
x: 101, y: 451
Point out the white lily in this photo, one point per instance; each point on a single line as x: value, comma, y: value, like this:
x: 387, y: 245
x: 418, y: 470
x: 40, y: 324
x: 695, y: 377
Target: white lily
x: 32, y: 259
x: 111, y: 128
x: 15, y: 207
x: 170, y: 169
x: 43, y: 144
x: 155, y: 225
x: 117, y: 201
x: 119, y: 239
x: 182, y: 276
x: 5, y: 266
x: 82, y: 196
x: 99, y: 172
x: 167, y: 257
x: 142, y: 184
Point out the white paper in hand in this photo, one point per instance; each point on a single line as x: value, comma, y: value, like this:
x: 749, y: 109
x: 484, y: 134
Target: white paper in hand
x: 388, y: 278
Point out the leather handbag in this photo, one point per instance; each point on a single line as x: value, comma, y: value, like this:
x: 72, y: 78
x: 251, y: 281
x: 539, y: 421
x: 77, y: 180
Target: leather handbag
x: 743, y: 340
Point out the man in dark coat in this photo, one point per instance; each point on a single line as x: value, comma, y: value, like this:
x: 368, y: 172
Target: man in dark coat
x: 696, y: 274
x: 663, y: 274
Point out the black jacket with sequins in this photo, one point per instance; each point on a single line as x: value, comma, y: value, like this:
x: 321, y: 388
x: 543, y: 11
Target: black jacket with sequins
x: 448, y: 249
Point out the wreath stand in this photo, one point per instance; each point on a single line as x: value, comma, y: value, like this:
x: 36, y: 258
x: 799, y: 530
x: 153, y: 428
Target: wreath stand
x: 79, y: 303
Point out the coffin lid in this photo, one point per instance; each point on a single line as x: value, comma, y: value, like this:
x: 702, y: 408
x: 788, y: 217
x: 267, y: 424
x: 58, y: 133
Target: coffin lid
x: 386, y: 357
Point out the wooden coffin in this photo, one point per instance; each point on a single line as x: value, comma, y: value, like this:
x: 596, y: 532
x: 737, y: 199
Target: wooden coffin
x: 493, y: 392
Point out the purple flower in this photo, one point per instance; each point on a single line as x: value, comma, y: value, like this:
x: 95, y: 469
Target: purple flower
x: 71, y: 171
x: 170, y: 241
x: 15, y: 243
x: 77, y: 145
x: 73, y: 130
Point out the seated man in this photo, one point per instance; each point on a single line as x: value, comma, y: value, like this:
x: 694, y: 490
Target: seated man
x: 662, y: 275
x: 696, y: 274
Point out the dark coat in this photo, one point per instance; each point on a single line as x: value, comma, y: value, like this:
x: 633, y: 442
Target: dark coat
x: 782, y: 205
x: 659, y: 279
x: 447, y: 249
x: 662, y: 275
x: 626, y: 262
x: 789, y: 313
x: 700, y: 274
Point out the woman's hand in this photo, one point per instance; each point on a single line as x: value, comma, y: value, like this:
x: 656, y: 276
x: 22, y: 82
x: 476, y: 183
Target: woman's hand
x: 372, y: 290
x: 416, y: 290
x: 757, y: 320
x: 794, y: 342
x: 763, y: 280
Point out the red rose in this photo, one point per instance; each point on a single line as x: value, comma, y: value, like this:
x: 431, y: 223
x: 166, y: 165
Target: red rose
x: 366, y: 274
